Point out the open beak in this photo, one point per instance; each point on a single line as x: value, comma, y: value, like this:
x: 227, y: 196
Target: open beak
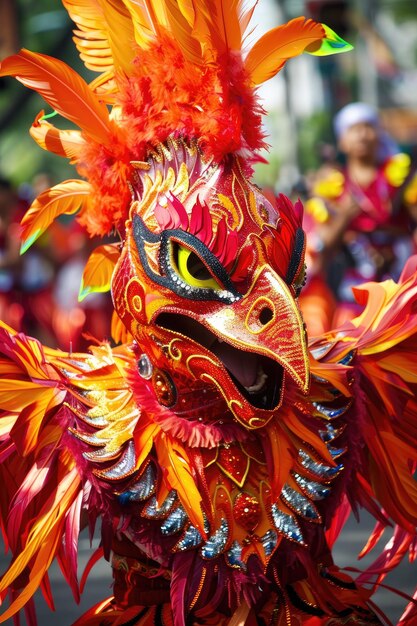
x: 258, y: 340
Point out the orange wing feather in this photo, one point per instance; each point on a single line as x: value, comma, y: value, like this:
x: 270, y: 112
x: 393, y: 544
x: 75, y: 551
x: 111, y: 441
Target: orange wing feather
x: 279, y: 44
x: 99, y: 270
x: 65, y: 143
x: 62, y: 88
x: 64, y: 198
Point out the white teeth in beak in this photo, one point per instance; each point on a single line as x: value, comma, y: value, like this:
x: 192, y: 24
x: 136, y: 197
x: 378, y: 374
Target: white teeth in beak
x: 260, y: 382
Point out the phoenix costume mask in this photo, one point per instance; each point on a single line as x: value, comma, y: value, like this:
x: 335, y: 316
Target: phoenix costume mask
x: 215, y: 448
x: 210, y: 269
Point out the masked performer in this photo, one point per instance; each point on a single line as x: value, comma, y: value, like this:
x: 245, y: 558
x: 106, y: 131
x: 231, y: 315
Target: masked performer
x: 220, y: 453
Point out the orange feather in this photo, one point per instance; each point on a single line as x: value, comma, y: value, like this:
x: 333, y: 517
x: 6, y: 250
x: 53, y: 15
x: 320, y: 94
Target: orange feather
x: 223, y: 23
x: 62, y: 88
x: 26, y: 430
x: 118, y: 331
x: 283, y: 453
x: 279, y: 44
x: 99, y: 269
x: 121, y: 33
x: 148, y: 16
x: 183, y: 32
x: 176, y: 464
x: 65, y: 198
x: 65, y: 143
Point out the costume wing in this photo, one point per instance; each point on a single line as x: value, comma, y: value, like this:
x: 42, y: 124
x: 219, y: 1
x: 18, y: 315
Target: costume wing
x: 47, y: 481
x: 378, y: 353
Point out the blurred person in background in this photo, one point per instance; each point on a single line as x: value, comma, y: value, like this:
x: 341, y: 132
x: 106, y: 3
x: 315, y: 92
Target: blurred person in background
x: 316, y: 299
x: 365, y: 212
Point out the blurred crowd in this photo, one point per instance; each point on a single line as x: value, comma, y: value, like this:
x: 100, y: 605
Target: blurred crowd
x: 39, y: 289
x: 360, y: 217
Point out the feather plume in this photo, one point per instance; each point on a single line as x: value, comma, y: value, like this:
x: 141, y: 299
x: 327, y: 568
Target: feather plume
x: 25, y: 432
x: 63, y: 89
x: 91, y: 37
x: 148, y: 18
x: 68, y: 556
x: 144, y: 28
x: 65, y: 198
x: 94, y: 558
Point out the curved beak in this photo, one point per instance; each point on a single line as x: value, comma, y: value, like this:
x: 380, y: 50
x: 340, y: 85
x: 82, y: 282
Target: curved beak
x: 267, y: 321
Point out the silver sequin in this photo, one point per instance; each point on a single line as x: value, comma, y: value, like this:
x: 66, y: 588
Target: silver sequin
x: 216, y: 543
x: 174, y: 522
x: 144, y: 487
x: 154, y: 511
x: 336, y: 452
x: 234, y: 556
x: 329, y: 412
x: 313, y: 489
x: 302, y: 505
x: 330, y: 433
x: 319, y: 469
x: 269, y: 541
x: 321, y: 350
x: 348, y: 358
x: 191, y: 539
x: 124, y: 467
x: 286, y: 525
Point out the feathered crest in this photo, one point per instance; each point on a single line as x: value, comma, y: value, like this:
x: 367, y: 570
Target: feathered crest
x: 165, y: 68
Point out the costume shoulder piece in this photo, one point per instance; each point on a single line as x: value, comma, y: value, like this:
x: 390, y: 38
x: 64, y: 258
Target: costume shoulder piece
x: 221, y: 455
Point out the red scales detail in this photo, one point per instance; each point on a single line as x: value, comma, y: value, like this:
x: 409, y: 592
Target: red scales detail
x: 247, y: 511
x: 234, y: 463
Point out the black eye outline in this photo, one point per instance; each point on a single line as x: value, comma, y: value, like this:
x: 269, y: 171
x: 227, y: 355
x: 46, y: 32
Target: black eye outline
x: 169, y: 238
x: 169, y: 277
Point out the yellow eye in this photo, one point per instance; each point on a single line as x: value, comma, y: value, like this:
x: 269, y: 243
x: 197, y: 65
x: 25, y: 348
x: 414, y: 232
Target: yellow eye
x: 193, y: 271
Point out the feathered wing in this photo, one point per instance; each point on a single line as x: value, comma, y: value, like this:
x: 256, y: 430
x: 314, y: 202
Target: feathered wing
x: 378, y: 349
x: 44, y: 397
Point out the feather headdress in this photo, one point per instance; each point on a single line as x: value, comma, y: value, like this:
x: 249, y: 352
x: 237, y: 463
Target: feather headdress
x: 165, y: 68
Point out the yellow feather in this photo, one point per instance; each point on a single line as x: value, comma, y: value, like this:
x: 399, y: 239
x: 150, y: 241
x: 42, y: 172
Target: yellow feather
x: 104, y: 31
x: 187, y: 9
x: 121, y: 33
x: 183, y: 32
x: 145, y: 25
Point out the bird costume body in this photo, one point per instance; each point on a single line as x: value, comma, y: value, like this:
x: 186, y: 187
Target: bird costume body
x: 221, y: 453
